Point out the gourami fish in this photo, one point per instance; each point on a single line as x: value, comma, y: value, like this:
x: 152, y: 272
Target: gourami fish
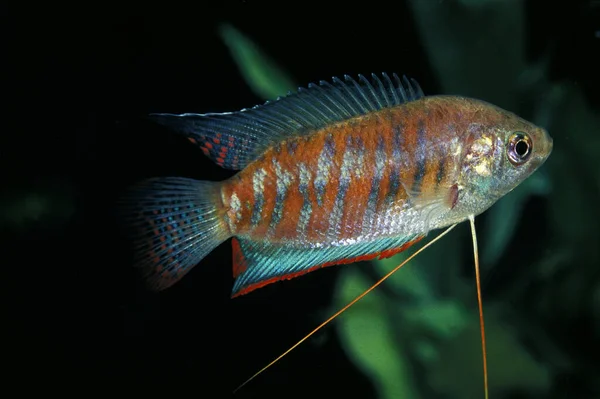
x: 336, y: 173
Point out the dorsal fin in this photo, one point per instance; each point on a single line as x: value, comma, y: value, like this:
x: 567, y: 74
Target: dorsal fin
x: 234, y: 139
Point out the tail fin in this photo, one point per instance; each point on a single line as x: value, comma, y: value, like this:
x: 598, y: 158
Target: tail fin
x: 174, y: 223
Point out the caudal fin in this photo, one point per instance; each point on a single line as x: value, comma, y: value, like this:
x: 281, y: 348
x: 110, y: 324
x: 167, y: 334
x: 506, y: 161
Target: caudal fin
x: 174, y: 223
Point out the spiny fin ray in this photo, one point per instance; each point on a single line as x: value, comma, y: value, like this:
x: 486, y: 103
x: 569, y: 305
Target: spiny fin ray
x: 234, y: 139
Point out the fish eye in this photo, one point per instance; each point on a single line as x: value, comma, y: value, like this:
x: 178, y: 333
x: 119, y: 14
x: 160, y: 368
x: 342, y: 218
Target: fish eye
x: 519, y: 148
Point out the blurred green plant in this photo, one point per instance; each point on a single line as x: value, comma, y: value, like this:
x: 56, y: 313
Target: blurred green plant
x: 264, y: 77
x: 45, y: 203
x: 368, y: 338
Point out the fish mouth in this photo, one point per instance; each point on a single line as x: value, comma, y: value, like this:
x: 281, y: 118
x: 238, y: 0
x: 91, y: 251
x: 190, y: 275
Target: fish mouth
x: 543, y: 152
x: 549, y: 142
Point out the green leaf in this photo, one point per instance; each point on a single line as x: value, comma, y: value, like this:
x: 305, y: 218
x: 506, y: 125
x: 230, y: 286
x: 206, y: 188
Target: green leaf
x: 506, y: 213
x: 445, y: 317
x: 265, y: 78
x: 459, y: 369
x: 407, y: 279
x: 368, y: 338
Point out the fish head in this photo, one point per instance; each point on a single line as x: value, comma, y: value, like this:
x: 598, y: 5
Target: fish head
x: 501, y: 151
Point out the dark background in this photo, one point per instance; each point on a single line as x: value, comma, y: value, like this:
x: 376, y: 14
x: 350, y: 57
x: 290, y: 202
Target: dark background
x: 77, y: 80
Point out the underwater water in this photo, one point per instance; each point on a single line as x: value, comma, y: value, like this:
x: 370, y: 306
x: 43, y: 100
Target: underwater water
x: 79, y: 83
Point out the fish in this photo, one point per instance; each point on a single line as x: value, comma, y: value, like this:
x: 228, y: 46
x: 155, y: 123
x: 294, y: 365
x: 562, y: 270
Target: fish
x: 336, y: 173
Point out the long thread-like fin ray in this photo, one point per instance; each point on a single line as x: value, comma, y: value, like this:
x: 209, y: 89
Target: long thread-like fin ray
x: 480, y: 304
x: 342, y: 310
x: 234, y: 139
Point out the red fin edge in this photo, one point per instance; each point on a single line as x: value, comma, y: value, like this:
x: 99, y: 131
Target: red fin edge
x: 239, y: 264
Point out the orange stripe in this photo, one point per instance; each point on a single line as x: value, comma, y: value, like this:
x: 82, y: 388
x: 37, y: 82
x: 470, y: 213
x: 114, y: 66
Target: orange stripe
x: 357, y: 194
x: 286, y: 228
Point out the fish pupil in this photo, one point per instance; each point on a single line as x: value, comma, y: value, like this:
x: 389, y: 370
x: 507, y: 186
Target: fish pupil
x: 522, y: 148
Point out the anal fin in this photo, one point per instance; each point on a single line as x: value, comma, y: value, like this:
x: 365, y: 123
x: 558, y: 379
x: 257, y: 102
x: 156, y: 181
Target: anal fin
x: 257, y: 264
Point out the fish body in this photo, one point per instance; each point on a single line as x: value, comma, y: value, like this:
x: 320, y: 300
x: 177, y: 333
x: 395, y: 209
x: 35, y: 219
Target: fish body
x: 330, y: 175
